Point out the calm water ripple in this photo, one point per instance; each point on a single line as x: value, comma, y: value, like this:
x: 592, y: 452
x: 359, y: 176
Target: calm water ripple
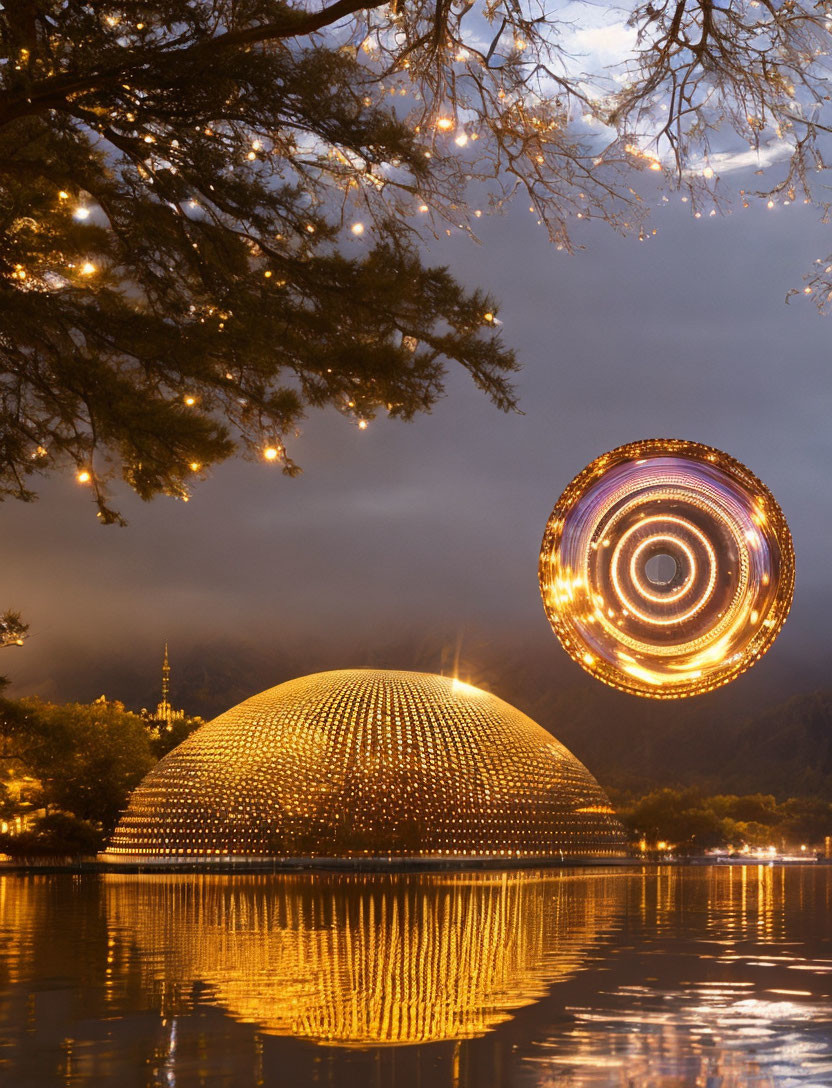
x: 712, y: 977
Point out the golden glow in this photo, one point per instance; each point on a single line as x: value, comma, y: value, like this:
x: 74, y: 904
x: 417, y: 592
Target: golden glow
x: 364, y: 960
x: 369, y: 763
x: 270, y: 453
x: 357, y: 228
x: 190, y: 401
x: 444, y: 124
x: 83, y: 477
x: 459, y: 686
x: 87, y: 268
x: 725, y: 540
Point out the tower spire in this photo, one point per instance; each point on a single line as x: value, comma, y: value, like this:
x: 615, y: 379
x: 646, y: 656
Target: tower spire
x: 165, y: 714
x: 165, y: 678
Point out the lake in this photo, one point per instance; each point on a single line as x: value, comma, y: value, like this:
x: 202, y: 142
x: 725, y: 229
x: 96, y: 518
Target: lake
x: 641, y: 977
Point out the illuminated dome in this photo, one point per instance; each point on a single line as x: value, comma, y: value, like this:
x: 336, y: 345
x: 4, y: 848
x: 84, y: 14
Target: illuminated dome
x: 365, y: 763
x: 666, y: 568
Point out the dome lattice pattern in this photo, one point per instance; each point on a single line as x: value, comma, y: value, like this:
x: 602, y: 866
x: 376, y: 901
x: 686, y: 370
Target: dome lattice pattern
x: 369, y: 763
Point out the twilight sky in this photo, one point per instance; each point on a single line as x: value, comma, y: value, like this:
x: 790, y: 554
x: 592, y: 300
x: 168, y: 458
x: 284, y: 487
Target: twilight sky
x: 412, y: 532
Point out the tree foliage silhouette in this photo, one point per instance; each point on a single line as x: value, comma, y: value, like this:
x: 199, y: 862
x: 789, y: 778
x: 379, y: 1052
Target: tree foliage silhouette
x: 209, y: 209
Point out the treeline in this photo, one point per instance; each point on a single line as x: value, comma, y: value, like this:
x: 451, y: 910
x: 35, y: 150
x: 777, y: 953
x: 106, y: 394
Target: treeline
x: 67, y: 769
x: 745, y: 738
x: 689, y: 821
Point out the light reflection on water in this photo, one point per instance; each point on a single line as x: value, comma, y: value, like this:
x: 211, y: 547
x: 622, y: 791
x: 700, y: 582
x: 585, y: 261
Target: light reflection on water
x: 637, y: 978
x: 363, y: 960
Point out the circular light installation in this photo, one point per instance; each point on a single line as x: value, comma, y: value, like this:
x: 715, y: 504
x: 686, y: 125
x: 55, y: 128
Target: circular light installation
x: 667, y: 568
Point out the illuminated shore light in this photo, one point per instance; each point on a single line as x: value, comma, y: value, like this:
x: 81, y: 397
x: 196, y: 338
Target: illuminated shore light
x: 666, y: 568
x: 366, y: 763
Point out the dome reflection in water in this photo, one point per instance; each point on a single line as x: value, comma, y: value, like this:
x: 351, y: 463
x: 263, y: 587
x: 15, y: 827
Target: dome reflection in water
x: 363, y: 960
x: 657, y: 977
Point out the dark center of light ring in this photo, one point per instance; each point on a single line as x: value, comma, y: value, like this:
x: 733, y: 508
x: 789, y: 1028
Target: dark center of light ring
x: 667, y: 570
x: 677, y: 620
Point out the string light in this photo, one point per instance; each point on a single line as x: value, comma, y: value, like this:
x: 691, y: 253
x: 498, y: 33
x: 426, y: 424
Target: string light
x: 357, y: 228
x: 81, y: 212
x: 83, y: 477
x: 362, y: 425
x: 190, y: 401
x: 87, y: 268
x: 270, y: 453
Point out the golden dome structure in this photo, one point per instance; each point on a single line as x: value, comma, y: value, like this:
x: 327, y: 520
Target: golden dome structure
x: 363, y: 959
x: 368, y: 764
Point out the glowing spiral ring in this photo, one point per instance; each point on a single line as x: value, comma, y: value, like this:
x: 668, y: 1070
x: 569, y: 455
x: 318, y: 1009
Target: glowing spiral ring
x: 636, y: 574
x: 706, y: 515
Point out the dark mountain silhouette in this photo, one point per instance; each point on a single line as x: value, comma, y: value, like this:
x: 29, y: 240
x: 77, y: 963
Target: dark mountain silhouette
x: 754, y: 735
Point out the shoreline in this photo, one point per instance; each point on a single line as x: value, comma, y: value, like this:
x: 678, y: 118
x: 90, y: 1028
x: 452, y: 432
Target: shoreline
x: 232, y: 866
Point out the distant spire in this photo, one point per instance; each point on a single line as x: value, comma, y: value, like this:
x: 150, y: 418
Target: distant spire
x: 165, y: 713
x: 165, y: 678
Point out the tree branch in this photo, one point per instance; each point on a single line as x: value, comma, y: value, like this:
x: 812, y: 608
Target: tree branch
x: 53, y: 92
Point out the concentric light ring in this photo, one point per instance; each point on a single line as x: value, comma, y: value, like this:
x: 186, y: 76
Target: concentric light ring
x: 718, y: 612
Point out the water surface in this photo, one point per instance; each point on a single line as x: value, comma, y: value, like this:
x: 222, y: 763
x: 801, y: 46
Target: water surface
x: 668, y: 977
